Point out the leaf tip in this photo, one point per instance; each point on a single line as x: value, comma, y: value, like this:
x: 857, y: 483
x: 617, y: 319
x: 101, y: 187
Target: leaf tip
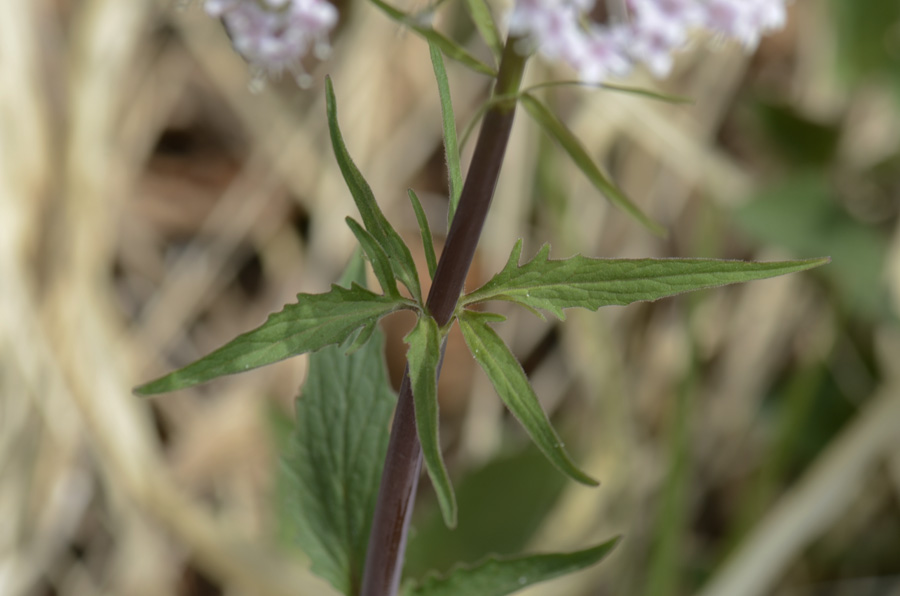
x: 450, y: 516
x: 657, y: 229
x: 579, y: 475
x: 155, y: 387
x: 589, y: 481
x: 544, y: 253
x: 516, y: 253
x: 141, y: 391
x: 446, y: 496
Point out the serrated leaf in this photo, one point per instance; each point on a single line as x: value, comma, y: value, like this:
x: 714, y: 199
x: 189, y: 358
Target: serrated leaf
x: 553, y: 285
x: 425, y: 231
x: 381, y: 265
x: 364, y: 335
x: 314, y: 322
x: 448, y: 46
x: 511, y: 384
x: 554, y: 127
x: 497, y: 576
x: 332, y: 465
x: 448, y: 122
x: 376, y: 223
x: 423, y: 357
x: 484, y: 22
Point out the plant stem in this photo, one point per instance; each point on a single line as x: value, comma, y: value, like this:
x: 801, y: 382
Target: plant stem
x: 403, y: 463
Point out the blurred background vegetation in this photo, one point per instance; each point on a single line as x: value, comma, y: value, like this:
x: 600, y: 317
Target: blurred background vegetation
x: 152, y: 207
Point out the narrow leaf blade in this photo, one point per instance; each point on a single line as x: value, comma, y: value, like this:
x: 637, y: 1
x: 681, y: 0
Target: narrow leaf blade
x: 554, y: 127
x: 355, y: 271
x: 425, y: 231
x: 497, y: 576
x: 638, y: 91
x: 423, y: 357
x: 448, y: 46
x: 512, y: 386
x: 380, y: 263
x: 590, y: 283
x: 331, y: 468
x: 315, y: 321
x: 374, y: 220
x: 484, y: 22
x: 448, y: 121
x: 473, y: 122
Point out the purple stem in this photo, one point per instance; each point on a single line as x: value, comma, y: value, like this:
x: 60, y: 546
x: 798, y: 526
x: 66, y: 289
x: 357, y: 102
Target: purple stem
x: 403, y: 463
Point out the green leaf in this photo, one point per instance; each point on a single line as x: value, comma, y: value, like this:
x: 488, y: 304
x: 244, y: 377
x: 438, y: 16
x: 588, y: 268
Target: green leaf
x: 448, y: 46
x: 355, y: 271
x: 362, y: 338
x: 448, y: 121
x: 380, y: 263
x: 331, y: 468
x: 493, y: 523
x: 425, y: 231
x: 512, y: 386
x: 316, y: 321
x: 484, y: 22
x: 639, y: 91
x: 376, y: 224
x: 423, y: 357
x: 554, y: 127
x: 499, y: 576
x: 585, y: 282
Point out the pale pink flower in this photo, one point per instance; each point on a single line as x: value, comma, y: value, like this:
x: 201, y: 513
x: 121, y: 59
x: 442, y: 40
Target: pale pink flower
x: 656, y: 29
x: 601, y: 53
x: 654, y: 38
x: 275, y: 35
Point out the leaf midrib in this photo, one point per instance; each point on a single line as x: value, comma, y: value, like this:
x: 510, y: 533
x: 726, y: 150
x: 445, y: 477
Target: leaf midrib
x: 518, y: 283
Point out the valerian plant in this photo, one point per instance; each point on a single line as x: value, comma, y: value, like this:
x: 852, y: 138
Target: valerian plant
x: 352, y: 485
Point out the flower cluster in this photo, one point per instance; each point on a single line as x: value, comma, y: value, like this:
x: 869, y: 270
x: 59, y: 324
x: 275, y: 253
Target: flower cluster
x: 650, y: 33
x: 275, y: 35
